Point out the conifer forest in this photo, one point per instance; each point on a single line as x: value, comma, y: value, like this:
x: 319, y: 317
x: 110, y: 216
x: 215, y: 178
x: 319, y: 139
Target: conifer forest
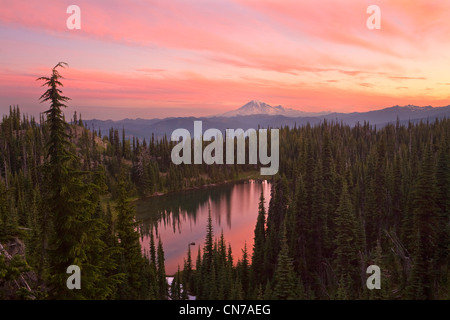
x: 345, y: 197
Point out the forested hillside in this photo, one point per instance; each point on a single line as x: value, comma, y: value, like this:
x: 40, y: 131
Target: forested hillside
x: 344, y: 198
x: 65, y: 199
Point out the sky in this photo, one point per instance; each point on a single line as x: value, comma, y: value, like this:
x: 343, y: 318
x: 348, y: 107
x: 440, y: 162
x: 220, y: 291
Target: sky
x: 155, y: 59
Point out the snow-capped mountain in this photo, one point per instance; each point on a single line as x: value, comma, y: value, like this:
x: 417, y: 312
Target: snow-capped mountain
x: 261, y: 114
x: 255, y: 107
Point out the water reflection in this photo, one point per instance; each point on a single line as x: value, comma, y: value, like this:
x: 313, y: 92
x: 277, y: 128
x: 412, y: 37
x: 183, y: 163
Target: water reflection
x: 180, y: 219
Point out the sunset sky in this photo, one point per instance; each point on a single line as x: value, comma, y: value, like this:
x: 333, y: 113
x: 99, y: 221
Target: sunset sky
x: 165, y: 58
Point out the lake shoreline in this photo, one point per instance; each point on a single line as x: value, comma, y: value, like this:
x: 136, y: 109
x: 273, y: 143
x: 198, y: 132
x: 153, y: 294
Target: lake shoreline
x: 180, y: 219
x: 204, y: 186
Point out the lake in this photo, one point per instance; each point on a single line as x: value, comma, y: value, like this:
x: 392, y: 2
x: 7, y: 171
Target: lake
x: 180, y: 218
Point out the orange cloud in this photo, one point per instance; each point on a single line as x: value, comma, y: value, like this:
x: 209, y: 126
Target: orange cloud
x: 302, y: 54
x: 88, y: 86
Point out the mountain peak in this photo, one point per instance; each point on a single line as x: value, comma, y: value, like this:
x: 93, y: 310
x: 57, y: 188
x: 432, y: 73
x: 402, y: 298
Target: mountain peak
x: 253, y: 107
x: 410, y: 107
x: 256, y: 104
x: 258, y: 107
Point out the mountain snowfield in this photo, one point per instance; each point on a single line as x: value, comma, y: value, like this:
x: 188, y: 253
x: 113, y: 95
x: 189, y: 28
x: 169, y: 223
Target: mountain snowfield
x: 257, y: 107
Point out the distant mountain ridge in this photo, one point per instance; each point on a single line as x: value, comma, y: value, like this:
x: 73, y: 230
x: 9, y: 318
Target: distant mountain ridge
x: 144, y: 128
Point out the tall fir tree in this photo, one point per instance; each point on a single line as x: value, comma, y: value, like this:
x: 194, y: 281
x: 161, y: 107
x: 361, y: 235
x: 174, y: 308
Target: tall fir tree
x: 443, y: 203
x: 426, y: 234
x: 275, y: 218
x: 131, y: 260
x: 285, y: 280
x: 161, y: 272
x: 348, y: 246
x: 208, y: 251
x: 259, y: 244
x: 71, y: 205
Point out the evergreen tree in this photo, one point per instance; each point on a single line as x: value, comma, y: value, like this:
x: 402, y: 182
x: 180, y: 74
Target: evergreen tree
x: 131, y: 260
x: 198, y: 276
x: 244, y: 273
x: 275, y: 218
x: 299, y: 228
x: 348, y: 245
x: 443, y: 202
x: 284, y: 278
x: 259, y: 243
x: 175, y: 287
x: 425, y: 246
x: 152, y: 249
x: 70, y: 204
x: 187, y: 273
x: 208, y: 252
x: 161, y: 272
x: 63, y: 215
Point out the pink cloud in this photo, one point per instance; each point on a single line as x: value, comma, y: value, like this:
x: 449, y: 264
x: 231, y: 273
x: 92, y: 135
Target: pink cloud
x: 406, y: 78
x: 151, y: 70
x: 216, y: 28
x: 225, y: 53
x: 87, y: 87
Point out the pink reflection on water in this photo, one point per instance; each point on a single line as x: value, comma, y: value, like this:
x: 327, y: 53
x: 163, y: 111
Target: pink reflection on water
x: 234, y: 215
